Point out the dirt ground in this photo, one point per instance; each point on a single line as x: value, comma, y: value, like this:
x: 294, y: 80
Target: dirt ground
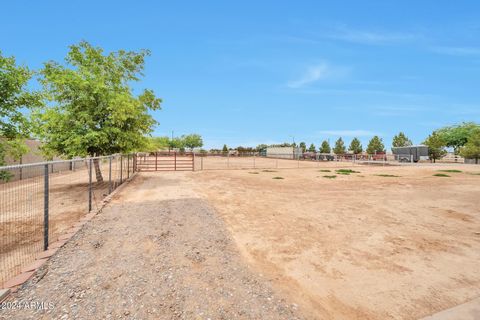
x: 385, y: 242
x: 358, y: 246
x: 157, y: 251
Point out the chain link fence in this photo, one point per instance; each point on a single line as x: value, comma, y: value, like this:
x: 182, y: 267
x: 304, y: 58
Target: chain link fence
x: 39, y: 202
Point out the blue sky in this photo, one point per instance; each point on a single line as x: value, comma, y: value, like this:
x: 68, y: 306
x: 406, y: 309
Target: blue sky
x: 250, y: 72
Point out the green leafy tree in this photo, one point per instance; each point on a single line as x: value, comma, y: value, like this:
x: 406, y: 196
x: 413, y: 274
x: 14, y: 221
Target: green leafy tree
x: 375, y: 145
x: 339, y: 147
x: 436, y: 146
x: 177, y: 143
x: 457, y: 136
x: 93, y: 109
x: 14, y: 98
x: 303, y: 146
x: 312, y: 148
x: 225, y: 149
x: 355, y: 146
x: 261, y: 148
x: 192, y: 141
x: 401, y: 140
x: 471, y: 150
x: 156, y: 144
x: 325, y: 147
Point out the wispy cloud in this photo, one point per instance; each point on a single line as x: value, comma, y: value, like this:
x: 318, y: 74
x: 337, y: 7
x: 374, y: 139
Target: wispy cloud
x: 457, y: 51
x: 375, y: 37
x: 348, y: 133
x: 315, y: 73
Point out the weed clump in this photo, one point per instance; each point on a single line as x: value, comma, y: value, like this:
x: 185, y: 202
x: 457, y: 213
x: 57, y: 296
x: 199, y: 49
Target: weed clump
x: 441, y: 175
x: 277, y: 178
x: 330, y: 177
x: 387, y: 175
x: 346, y: 171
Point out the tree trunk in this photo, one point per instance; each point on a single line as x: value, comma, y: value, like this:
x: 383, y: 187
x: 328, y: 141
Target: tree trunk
x: 98, y: 172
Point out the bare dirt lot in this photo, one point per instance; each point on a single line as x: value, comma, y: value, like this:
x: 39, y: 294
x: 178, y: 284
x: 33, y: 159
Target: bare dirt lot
x: 383, y: 242
x: 357, y: 246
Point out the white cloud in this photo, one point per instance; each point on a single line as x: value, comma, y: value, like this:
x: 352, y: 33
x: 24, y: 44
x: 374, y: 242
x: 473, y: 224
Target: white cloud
x: 457, y: 51
x: 348, y: 133
x: 315, y: 73
x: 370, y: 37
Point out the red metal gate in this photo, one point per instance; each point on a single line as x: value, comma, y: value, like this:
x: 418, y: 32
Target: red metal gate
x: 166, y: 161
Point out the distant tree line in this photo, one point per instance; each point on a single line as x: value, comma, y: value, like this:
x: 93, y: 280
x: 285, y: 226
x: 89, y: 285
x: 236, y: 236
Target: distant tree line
x: 463, y: 138
x: 189, y: 141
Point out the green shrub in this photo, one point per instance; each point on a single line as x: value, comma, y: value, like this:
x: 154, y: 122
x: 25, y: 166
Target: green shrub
x: 346, y: 171
x: 441, y: 175
x: 277, y: 178
x: 330, y: 177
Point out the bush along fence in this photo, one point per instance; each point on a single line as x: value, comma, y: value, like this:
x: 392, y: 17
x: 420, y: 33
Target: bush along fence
x: 39, y: 202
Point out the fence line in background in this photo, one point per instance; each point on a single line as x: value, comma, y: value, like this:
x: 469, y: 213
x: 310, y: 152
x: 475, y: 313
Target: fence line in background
x: 41, y: 201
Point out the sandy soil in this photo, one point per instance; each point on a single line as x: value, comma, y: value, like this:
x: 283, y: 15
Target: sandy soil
x: 157, y: 251
x: 358, y: 246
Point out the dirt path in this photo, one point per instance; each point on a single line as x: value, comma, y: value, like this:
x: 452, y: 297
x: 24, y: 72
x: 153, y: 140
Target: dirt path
x: 156, y: 252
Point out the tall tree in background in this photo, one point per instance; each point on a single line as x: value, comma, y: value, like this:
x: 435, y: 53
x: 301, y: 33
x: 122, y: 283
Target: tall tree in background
x: 225, y: 149
x: 261, y: 147
x: 157, y: 143
x: 303, y: 146
x: 312, y: 148
x: 375, y: 145
x: 325, y: 147
x: 355, y: 146
x: 401, y: 140
x: 471, y: 150
x: 192, y: 141
x: 339, y: 147
x: 436, y: 146
x: 457, y: 136
x: 93, y: 109
x: 14, y: 98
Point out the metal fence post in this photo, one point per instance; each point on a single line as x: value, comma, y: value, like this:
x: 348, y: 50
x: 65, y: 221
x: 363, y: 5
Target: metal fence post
x: 128, y: 166
x: 134, y: 162
x: 109, y: 174
x: 45, y: 209
x: 121, y: 169
x: 175, y: 160
x: 156, y: 161
x: 193, y: 161
x: 254, y: 161
x: 90, y: 185
x: 201, y: 163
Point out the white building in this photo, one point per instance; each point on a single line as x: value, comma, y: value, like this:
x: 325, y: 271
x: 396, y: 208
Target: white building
x: 283, y: 152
